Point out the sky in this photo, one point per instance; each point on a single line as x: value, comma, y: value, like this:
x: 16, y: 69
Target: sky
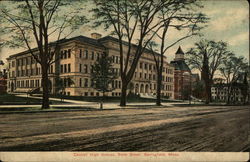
x: 229, y: 22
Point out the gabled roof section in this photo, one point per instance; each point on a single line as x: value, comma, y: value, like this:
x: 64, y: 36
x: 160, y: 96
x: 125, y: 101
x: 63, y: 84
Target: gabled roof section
x: 179, y: 51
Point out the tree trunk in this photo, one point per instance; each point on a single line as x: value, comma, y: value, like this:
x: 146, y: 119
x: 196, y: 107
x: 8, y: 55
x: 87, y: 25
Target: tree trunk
x: 45, y: 102
x: 208, y: 91
x: 123, y: 94
x: 158, y: 92
x: 205, y: 77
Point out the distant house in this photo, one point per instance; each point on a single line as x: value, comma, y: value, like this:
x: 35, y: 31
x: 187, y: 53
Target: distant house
x: 220, y: 92
x: 182, y: 76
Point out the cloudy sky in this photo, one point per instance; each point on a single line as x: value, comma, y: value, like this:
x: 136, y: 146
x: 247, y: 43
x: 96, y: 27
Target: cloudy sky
x: 229, y: 22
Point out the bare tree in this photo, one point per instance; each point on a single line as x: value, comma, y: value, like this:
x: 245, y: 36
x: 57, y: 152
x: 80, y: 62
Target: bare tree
x: 174, y: 18
x: 126, y: 18
x: 41, y: 20
x: 207, y: 57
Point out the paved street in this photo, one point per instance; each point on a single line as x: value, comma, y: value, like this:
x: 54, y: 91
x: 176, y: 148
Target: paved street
x: 153, y: 129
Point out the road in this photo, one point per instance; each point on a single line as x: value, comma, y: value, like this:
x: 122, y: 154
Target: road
x: 204, y: 128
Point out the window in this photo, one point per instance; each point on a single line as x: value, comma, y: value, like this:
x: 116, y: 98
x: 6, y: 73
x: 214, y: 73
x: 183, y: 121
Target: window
x: 86, y: 82
x: 65, y: 68
x: 27, y: 83
x: 13, y: 64
x: 119, y: 84
x: 93, y: 55
x: 116, y: 84
x: 145, y: 76
x: 69, y: 53
x: 13, y: 73
x: 32, y: 83
x: 61, y: 68
x: 36, y: 83
x: 80, y: 82
x: 80, y: 68
x: 91, y: 68
x: 69, y: 68
x: 141, y: 65
x: 140, y: 75
x: 145, y: 66
x: 150, y: 67
x: 65, y: 54
x: 80, y: 54
x: 86, y: 54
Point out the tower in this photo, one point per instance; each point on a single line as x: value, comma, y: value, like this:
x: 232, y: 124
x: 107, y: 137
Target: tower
x: 179, y: 55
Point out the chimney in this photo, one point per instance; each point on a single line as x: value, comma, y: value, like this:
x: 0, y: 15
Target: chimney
x: 96, y: 35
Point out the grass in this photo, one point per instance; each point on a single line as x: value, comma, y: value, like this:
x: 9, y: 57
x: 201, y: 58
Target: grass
x: 10, y: 99
x: 4, y: 110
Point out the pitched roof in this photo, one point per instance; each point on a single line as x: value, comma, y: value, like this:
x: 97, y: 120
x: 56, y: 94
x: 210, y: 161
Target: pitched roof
x: 179, y: 51
x: 95, y: 42
x: 180, y: 65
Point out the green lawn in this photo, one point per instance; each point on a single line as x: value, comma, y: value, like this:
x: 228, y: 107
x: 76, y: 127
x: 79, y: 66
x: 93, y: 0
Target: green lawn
x: 9, y: 99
